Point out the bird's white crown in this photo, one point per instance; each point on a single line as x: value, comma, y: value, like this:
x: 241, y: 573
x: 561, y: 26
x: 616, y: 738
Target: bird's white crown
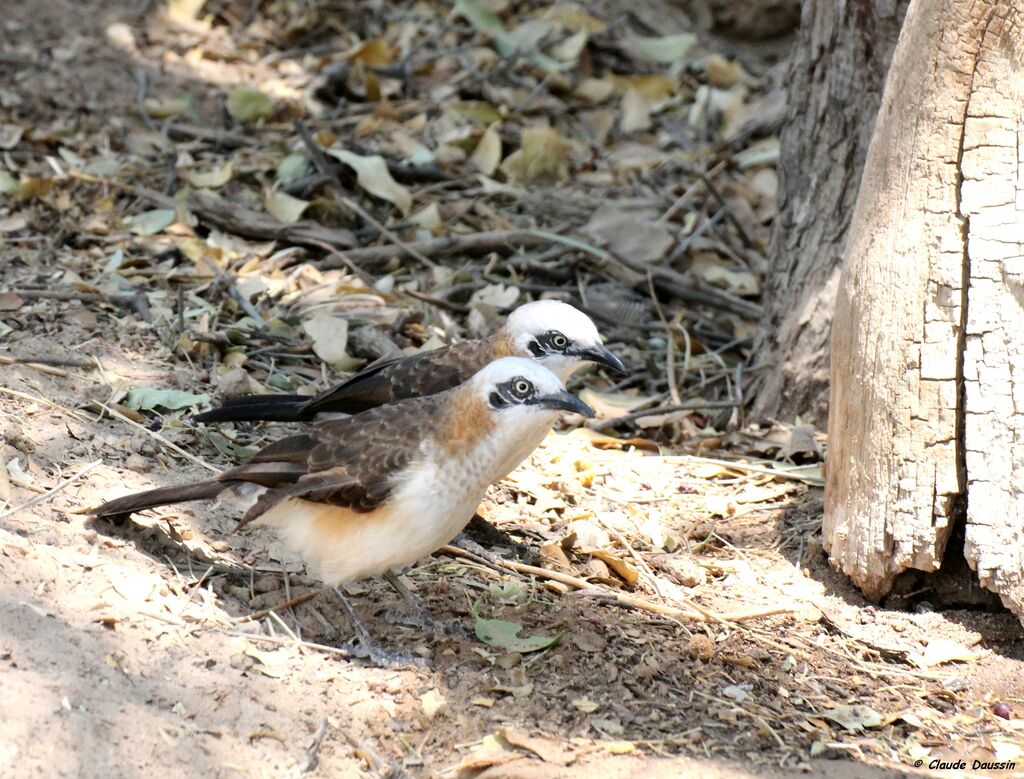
x: 542, y: 316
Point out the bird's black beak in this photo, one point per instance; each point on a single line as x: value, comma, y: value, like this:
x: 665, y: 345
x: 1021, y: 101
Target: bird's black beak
x: 602, y: 356
x: 565, y: 401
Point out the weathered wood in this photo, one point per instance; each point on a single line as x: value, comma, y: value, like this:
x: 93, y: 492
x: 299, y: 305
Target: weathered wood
x: 992, y: 205
x: 834, y: 86
x: 928, y: 319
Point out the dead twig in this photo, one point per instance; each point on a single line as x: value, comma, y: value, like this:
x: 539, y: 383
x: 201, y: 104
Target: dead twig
x: 68, y: 362
x: 258, y: 615
x: 698, y: 613
x: 507, y: 241
x: 690, y: 405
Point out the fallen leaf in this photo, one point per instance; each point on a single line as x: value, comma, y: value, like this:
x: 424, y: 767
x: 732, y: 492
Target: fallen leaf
x: 210, y: 179
x: 502, y: 634
x: 17, y: 474
x: 248, y: 104
x: 167, y: 109
x: 612, y: 405
x: 665, y: 50
x: 145, y: 399
x: 10, y: 301
x: 428, y: 218
x: 636, y: 112
x: 725, y: 275
x: 571, y: 16
x: 285, y: 207
x: 854, y: 716
x: 487, y: 155
x: 737, y: 692
x: 571, y: 48
x: 496, y: 295
x: 151, y: 222
x: 622, y: 568
x: 548, y: 749
x: 941, y: 650
x: 10, y: 135
x: 373, y: 176
x: 330, y: 340
x: 543, y: 157
x: 629, y: 232
x: 291, y: 168
x: 486, y: 21
x: 376, y: 52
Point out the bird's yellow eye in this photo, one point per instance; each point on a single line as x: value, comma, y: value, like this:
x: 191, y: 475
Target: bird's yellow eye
x: 522, y: 387
x: 559, y: 341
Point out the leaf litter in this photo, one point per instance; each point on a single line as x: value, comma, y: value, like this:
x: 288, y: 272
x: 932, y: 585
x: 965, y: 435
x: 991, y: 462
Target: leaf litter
x: 171, y: 239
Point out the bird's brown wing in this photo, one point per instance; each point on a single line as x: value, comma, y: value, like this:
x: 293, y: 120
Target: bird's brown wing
x: 352, y: 462
x: 417, y: 375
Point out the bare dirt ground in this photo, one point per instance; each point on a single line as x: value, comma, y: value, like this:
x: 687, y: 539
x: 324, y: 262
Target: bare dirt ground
x: 700, y: 629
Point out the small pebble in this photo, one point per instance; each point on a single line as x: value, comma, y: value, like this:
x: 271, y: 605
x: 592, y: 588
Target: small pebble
x: 1002, y: 710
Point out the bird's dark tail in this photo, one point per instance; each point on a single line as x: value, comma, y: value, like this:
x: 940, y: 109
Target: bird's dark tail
x: 205, y: 490
x: 268, y: 408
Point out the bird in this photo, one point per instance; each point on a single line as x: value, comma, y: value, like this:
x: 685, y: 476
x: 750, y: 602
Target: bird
x: 372, y: 493
x: 555, y: 334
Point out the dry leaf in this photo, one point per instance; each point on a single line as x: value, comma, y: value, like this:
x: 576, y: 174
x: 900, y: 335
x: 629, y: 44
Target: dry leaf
x: 373, y: 175
x: 854, y: 716
x: 285, y: 207
x: 548, y: 749
x: 636, y: 112
x: 210, y: 179
x: 628, y: 232
x: 940, y: 651
x: 487, y: 155
x: 10, y: 135
x: 542, y: 158
x: 666, y: 50
x: 330, y: 338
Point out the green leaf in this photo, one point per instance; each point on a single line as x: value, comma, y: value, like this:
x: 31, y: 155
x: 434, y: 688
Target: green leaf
x: 151, y: 222
x: 481, y: 17
x: 8, y: 184
x: 229, y: 448
x: 145, y: 399
x: 248, y: 104
x: 501, y: 634
x: 291, y: 168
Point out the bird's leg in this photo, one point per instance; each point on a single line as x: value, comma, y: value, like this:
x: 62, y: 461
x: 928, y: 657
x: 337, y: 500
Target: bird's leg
x: 420, y: 617
x: 371, y: 648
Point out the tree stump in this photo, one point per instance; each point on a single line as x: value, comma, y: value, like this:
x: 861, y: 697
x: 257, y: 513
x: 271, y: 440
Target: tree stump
x: 926, y: 423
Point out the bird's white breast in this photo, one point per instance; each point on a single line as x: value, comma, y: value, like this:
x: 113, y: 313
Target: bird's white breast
x: 433, y: 502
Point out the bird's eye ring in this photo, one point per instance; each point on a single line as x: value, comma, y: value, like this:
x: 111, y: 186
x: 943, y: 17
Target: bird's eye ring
x: 522, y: 388
x: 559, y: 341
